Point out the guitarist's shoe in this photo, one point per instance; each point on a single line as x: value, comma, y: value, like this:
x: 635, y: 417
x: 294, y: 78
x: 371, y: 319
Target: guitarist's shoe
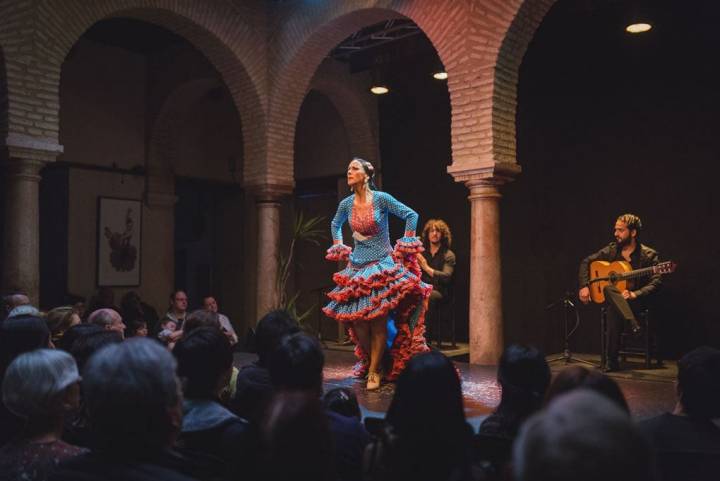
x: 635, y: 327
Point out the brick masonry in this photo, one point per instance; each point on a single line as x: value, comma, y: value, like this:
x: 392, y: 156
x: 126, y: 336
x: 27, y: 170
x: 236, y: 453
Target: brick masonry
x: 268, y: 56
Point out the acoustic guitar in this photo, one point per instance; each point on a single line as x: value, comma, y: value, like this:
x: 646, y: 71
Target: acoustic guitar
x: 617, y: 273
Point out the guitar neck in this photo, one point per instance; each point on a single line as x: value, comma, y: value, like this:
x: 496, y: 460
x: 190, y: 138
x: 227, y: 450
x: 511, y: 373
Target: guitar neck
x: 636, y: 273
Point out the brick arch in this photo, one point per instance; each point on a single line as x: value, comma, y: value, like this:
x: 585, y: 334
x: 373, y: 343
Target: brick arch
x: 221, y: 33
x: 357, y: 119
x: 162, y: 152
x: 507, y: 68
x: 308, y: 38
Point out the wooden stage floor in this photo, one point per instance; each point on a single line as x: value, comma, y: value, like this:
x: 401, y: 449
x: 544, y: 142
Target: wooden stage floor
x: 649, y: 392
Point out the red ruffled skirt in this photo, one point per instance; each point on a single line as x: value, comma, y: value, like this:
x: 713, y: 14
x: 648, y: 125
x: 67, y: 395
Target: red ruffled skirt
x: 390, y: 286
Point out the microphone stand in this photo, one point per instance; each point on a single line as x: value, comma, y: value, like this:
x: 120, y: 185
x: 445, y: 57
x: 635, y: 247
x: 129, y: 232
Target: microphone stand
x: 568, y: 304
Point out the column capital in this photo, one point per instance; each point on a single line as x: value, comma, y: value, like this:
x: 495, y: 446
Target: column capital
x: 26, y: 147
x: 270, y: 193
x: 497, y: 173
x: 24, y: 156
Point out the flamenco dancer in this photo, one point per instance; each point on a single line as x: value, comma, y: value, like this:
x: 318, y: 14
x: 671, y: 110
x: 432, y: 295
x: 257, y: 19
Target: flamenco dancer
x: 379, y: 281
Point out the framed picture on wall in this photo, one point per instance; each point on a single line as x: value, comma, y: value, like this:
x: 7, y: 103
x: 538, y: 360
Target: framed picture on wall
x: 119, y: 242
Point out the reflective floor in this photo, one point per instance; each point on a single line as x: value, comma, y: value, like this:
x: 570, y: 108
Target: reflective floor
x: 649, y: 392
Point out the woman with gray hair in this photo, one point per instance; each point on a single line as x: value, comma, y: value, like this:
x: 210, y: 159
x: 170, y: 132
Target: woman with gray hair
x: 40, y: 387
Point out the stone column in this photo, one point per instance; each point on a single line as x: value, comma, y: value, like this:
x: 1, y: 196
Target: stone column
x: 485, y: 310
x: 22, y: 162
x: 486, y: 326
x: 268, y: 250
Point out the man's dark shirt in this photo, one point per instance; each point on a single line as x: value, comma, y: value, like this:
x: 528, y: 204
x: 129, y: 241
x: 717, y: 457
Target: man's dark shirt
x: 641, y: 257
x: 443, y: 263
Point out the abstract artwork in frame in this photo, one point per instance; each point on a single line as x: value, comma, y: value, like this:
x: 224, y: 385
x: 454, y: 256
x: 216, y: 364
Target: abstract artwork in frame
x: 119, y: 242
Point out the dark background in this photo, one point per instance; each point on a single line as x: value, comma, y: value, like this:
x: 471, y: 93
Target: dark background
x: 607, y: 123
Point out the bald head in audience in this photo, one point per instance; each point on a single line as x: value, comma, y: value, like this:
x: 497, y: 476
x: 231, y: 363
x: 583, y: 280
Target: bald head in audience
x: 108, y: 319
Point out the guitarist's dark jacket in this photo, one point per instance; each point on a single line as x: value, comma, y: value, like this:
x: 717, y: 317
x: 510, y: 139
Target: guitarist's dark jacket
x: 643, y: 257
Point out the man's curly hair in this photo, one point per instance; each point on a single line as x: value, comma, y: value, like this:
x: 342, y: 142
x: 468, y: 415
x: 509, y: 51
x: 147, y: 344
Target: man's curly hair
x: 445, y: 234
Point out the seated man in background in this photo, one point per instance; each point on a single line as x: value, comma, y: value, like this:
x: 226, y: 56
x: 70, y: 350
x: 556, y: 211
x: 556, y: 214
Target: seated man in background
x: 210, y: 304
x: 438, y: 265
x: 171, y: 324
x: 108, y: 319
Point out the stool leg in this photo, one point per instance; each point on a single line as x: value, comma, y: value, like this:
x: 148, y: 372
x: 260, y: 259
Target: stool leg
x: 452, y: 327
x: 648, y: 356
x: 603, y: 339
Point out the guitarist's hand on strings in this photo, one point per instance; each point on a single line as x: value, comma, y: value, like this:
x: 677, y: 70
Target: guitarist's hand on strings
x: 584, y: 295
x: 628, y: 294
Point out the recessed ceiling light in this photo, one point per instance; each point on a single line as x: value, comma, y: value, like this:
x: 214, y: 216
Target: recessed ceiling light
x: 638, y: 27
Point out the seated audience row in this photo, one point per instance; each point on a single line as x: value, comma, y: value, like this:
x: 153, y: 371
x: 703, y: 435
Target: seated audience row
x: 144, y: 412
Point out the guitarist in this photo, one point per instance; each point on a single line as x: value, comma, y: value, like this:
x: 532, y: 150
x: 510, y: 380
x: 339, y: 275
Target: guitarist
x: 622, y: 306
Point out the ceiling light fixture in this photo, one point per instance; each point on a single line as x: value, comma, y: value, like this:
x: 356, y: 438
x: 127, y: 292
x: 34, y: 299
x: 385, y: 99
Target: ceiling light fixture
x: 441, y: 75
x: 379, y: 89
x: 640, y: 27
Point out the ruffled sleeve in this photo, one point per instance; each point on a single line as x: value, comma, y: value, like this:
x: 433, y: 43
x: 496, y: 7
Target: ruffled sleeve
x: 409, y: 244
x: 338, y: 252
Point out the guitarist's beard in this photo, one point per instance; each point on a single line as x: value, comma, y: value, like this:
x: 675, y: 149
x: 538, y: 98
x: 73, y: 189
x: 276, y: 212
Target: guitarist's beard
x: 623, y: 242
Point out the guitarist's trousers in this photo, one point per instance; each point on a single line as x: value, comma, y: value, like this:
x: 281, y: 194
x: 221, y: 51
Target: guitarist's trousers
x: 619, y: 312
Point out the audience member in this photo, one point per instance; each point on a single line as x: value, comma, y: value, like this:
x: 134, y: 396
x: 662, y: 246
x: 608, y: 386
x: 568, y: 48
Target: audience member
x: 75, y: 332
x: 136, y: 328
x: 108, y: 319
x: 201, y: 318
x: 574, y: 377
x: 171, y: 324
x: 134, y: 406
x: 85, y: 344
x: 253, y: 388
x: 210, y: 304
x: 177, y: 311
x: 426, y: 436
x: 91, y: 341
x: 13, y: 300
x: 581, y: 435
x: 297, y: 439
x: 523, y: 376
x: 24, y: 310
x: 17, y: 336
x: 687, y: 441
x: 297, y: 365
x: 59, y: 320
x: 137, y: 311
x: 169, y: 333
x: 40, y: 387
x: 204, y: 358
